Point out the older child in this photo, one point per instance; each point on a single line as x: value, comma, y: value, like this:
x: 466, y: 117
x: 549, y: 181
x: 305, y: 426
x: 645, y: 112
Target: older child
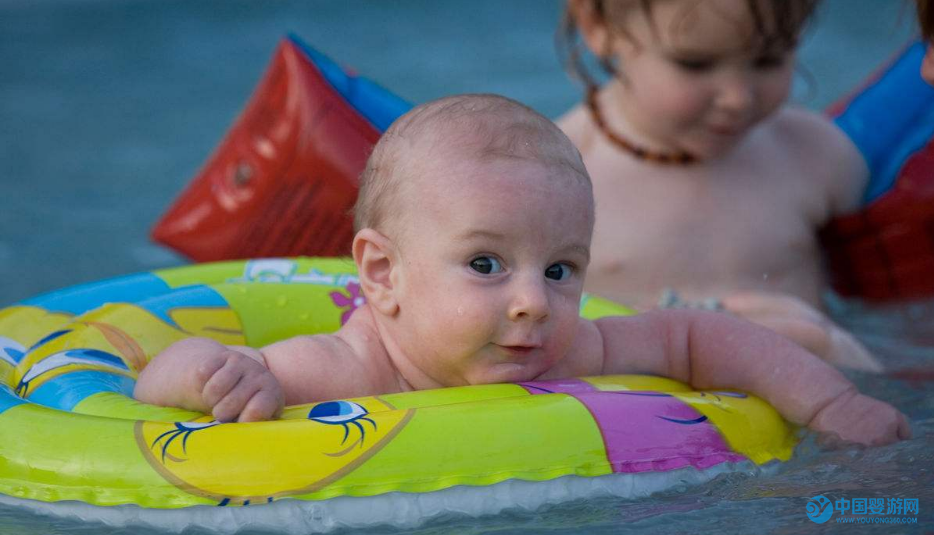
x: 475, y: 218
x: 926, y: 21
x: 706, y: 182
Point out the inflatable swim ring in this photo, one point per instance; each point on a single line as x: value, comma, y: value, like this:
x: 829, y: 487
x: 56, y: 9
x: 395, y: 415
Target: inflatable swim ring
x: 69, y: 429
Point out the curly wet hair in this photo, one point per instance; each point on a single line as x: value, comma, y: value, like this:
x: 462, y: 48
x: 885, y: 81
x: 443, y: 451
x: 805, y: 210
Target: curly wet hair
x: 926, y: 19
x: 778, y: 23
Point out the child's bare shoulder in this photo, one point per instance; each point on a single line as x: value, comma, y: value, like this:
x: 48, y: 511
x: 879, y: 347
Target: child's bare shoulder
x: 815, y: 135
x: 799, y: 125
x: 578, y: 126
x: 825, y: 155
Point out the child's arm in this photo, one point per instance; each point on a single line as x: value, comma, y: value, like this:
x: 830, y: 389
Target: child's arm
x: 713, y: 350
x: 805, y: 325
x: 202, y: 375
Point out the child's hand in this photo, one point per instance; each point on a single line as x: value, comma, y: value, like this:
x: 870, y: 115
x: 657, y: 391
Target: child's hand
x: 239, y: 388
x: 855, y: 418
x: 805, y: 325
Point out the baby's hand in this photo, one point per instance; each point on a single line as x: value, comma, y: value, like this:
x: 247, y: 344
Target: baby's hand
x: 855, y: 418
x: 805, y: 325
x: 239, y: 388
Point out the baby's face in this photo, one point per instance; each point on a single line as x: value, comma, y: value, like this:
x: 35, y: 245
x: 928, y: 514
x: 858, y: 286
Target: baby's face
x: 492, y: 267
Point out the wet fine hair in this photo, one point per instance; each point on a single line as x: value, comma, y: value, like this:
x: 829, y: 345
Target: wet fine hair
x: 480, y: 127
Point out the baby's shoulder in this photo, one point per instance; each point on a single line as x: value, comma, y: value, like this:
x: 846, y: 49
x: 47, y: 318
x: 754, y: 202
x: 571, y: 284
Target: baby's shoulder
x: 360, y: 336
x: 350, y: 362
x: 322, y: 349
x: 353, y: 342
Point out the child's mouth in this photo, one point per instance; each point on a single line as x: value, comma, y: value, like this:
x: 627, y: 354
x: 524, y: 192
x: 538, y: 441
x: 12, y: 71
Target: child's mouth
x: 726, y: 131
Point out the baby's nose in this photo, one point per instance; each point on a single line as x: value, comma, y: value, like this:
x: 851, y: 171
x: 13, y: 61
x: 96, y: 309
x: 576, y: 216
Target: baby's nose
x: 529, y: 301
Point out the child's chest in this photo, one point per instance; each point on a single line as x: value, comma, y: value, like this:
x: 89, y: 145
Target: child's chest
x: 693, y: 229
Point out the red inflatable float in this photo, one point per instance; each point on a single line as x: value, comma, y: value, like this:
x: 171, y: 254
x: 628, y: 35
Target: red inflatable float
x: 283, y: 180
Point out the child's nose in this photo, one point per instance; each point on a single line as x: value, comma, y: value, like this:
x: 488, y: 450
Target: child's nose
x: 529, y: 300
x: 736, y: 93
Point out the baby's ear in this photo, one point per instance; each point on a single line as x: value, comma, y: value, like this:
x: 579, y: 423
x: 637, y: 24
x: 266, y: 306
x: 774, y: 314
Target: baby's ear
x: 375, y: 257
x: 591, y: 24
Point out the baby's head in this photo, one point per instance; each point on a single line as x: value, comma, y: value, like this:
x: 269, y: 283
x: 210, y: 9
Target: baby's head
x: 457, y: 131
x: 695, y: 75
x: 473, y: 233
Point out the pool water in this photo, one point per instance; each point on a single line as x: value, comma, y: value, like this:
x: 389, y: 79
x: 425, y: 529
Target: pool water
x: 108, y: 107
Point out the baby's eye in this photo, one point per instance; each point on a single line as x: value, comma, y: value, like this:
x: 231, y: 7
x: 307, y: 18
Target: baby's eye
x: 558, y: 272
x: 485, y: 265
x: 694, y: 65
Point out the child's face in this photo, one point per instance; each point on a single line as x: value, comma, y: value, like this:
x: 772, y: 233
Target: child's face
x: 693, y: 78
x: 491, y: 268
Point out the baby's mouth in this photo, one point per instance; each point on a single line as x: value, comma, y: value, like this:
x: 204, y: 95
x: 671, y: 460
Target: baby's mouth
x: 519, y: 350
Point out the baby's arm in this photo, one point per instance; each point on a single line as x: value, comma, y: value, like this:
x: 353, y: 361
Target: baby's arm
x: 247, y: 384
x: 202, y: 375
x: 712, y: 350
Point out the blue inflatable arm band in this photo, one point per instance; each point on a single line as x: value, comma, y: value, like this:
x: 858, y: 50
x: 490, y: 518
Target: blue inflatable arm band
x: 379, y: 106
x: 891, y: 119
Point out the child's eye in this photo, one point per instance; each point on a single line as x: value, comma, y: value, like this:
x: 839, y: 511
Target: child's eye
x: 558, y: 272
x: 486, y: 265
x: 769, y: 61
x: 694, y: 65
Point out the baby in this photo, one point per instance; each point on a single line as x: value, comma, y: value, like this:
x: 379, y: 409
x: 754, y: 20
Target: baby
x: 474, y: 224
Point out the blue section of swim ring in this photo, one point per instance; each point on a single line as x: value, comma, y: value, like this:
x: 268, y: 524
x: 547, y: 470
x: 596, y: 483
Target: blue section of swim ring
x: 66, y: 391
x: 195, y: 296
x: 11, y: 351
x: 8, y: 399
x: 891, y: 119
x: 379, y: 106
x: 143, y: 289
x: 83, y: 297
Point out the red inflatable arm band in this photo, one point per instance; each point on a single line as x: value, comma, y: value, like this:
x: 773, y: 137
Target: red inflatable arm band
x: 885, y: 251
x: 283, y: 180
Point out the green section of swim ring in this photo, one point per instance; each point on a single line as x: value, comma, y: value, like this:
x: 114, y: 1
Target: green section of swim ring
x: 517, y: 432
x: 424, y: 441
x: 108, y: 474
